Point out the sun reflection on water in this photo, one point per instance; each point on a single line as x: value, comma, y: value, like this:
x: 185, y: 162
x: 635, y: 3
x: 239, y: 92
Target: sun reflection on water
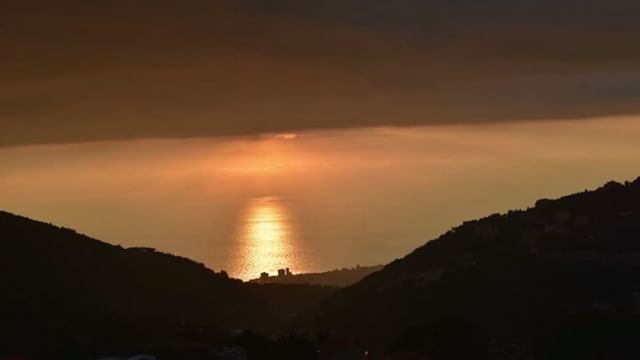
x: 266, y: 239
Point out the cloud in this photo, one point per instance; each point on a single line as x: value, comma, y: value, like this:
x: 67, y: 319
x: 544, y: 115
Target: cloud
x: 142, y: 68
x: 20, y: 104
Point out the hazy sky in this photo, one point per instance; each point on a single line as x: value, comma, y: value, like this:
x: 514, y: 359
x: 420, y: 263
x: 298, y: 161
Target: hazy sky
x: 76, y: 71
x: 354, y: 196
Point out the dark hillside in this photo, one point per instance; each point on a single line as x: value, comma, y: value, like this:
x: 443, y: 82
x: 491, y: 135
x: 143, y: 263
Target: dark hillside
x: 64, y: 290
x: 533, y: 281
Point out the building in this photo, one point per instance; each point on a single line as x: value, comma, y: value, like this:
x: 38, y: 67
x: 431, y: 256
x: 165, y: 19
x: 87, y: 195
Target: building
x: 284, y: 272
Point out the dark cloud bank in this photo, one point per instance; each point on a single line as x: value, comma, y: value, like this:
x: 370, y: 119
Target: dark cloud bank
x: 94, y: 70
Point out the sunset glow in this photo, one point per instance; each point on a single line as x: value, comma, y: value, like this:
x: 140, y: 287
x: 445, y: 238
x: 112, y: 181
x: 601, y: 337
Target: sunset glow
x: 253, y: 204
x: 322, y: 180
x: 266, y: 239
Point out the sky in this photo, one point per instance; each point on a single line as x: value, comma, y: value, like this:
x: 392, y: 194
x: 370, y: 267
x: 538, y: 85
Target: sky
x: 81, y: 71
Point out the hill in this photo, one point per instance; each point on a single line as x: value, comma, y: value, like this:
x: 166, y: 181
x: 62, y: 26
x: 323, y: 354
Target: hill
x: 558, y: 280
x: 338, y: 278
x: 63, y: 290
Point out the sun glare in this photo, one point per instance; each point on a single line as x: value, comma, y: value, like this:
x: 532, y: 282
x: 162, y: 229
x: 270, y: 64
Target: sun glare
x: 266, y: 238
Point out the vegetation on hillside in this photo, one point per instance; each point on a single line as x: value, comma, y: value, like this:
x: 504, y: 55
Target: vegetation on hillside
x: 559, y: 279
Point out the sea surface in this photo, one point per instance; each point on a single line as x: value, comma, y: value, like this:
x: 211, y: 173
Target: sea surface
x: 310, y: 201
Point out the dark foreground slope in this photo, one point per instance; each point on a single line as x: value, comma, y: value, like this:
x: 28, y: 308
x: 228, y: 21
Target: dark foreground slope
x: 62, y: 290
x: 559, y: 280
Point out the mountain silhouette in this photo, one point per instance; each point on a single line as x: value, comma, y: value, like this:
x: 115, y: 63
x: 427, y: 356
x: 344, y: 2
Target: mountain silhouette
x: 63, y: 290
x: 558, y: 280
x: 338, y: 277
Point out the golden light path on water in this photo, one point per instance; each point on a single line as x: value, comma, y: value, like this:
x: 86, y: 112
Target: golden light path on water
x: 337, y: 198
x: 266, y: 239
